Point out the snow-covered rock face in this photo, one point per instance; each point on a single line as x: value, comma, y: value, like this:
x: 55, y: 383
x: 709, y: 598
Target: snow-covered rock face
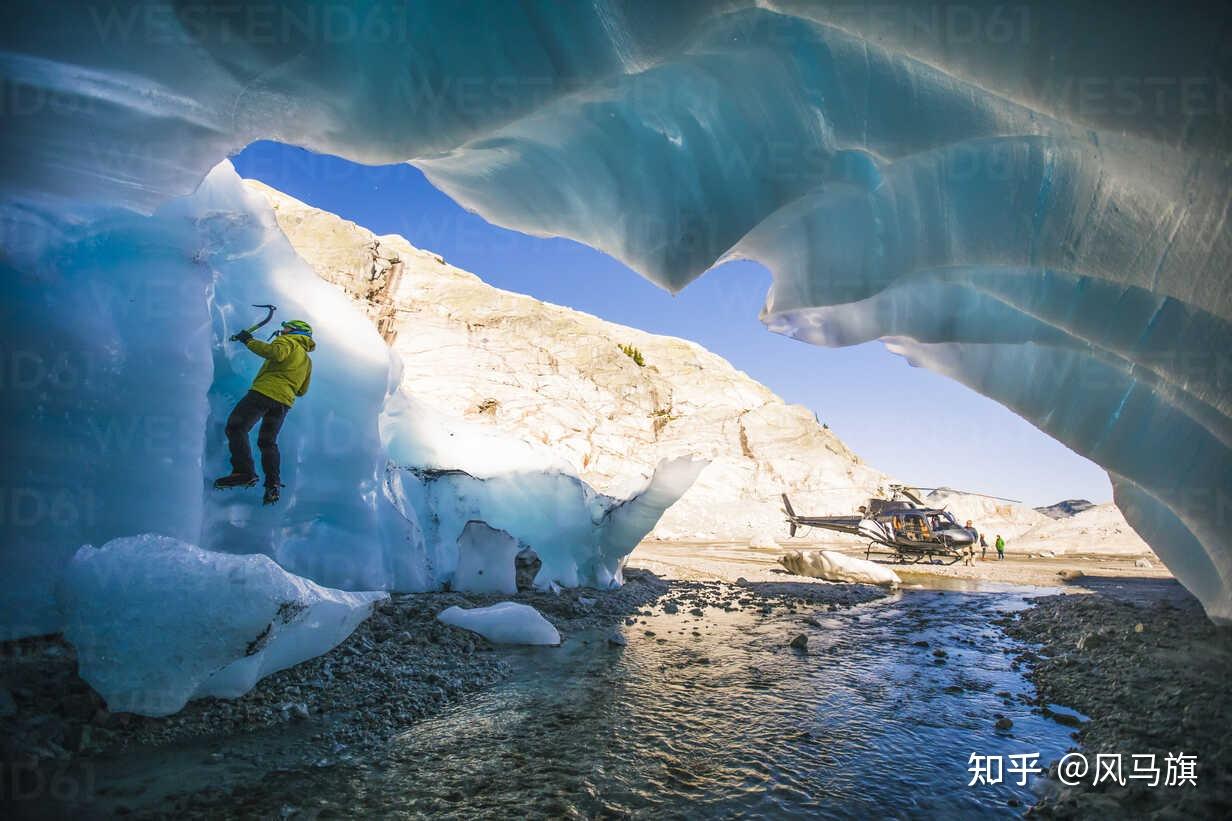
x: 1099, y: 530
x: 1036, y: 208
x: 157, y: 622
x: 557, y: 380
x: 444, y: 472
x: 579, y: 399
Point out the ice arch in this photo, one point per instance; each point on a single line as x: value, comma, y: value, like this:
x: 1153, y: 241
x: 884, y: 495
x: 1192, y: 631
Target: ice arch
x: 1033, y: 200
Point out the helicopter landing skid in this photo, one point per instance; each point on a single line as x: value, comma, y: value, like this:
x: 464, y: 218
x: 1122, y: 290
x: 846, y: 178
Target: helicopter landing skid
x: 929, y: 558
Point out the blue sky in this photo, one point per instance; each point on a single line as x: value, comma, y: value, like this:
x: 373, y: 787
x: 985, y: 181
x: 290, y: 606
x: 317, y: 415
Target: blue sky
x: 934, y: 432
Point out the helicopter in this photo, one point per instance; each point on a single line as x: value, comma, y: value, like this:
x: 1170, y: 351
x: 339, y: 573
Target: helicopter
x: 903, y: 525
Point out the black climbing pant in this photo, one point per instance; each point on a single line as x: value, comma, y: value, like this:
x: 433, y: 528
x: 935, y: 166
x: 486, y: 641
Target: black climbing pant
x: 256, y: 407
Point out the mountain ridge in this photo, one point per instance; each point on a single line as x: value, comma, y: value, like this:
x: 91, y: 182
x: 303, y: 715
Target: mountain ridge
x: 1065, y: 508
x: 556, y: 377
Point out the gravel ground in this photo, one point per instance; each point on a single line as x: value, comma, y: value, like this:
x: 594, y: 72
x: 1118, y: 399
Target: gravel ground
x: 399, y: 666
x: 727, y: 561
x: 1154, y: 676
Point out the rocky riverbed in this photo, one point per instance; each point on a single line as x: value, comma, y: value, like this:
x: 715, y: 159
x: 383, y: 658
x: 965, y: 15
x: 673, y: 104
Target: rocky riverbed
x: 64, y: 751
x: 397, y: 667
x: 1154, y: 676
x: 1136, y: 657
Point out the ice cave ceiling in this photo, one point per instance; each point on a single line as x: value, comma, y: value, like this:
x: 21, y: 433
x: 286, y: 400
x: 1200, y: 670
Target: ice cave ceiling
x: 1031, y: 198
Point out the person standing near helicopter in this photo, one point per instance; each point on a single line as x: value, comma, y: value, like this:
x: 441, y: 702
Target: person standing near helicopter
x: 969, y: 551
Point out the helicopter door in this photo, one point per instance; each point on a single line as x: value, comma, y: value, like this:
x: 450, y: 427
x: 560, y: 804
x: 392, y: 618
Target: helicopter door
x: 909, y: 527
x: 874, y: 530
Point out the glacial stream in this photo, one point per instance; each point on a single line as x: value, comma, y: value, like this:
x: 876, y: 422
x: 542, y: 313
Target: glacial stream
x: 716, y: 716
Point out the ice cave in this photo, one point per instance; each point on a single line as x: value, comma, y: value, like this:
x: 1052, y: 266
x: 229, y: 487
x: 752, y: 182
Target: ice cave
x: 1005, y: 194
x: 1058, y: 246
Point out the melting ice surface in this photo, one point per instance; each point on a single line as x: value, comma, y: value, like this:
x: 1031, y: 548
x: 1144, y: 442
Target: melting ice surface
x: 968, y: 202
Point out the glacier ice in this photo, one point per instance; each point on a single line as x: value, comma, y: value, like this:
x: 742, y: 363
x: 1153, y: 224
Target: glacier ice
x: 446, y: 473
x: 157, y: 622
x: 130, y: 431
x: 504, y: 623
x: 838, y: 567
x: 1031, y: 199
x: 118, y: 428
x: 486, y: 560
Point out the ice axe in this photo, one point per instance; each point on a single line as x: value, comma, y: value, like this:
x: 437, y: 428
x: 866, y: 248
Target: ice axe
x: 268, y: 317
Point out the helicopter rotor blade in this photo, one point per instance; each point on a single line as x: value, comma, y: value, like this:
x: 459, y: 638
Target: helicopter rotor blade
x: 969, y: 493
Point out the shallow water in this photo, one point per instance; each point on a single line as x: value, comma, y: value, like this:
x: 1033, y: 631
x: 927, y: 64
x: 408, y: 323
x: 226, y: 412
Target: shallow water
x: 717, y: 717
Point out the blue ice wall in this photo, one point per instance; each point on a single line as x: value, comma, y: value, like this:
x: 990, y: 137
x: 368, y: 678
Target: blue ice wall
x: 118, y: 327
x: 1031, y: 198
x: 120, y: 381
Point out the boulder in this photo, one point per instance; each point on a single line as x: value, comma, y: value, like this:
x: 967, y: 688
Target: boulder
x: 838, y: 567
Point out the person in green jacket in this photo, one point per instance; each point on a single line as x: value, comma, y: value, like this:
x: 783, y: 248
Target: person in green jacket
x: 1000, y: 545
x: 283, y: 377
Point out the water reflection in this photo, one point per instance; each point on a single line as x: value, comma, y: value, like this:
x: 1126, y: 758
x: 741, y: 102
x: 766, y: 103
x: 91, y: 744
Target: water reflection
x: 716, y: 716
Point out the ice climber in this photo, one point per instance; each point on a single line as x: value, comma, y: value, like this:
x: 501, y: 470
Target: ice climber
x: 284, y: 376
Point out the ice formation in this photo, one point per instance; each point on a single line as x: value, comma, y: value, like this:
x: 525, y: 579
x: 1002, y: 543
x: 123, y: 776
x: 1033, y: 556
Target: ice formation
x: 157, y: 622
x: 1037, y: 208
x: 445, y: 473
x: 504, y: 623
x: 838, y: 567
x: 486, y: 559
x: 117, y: 429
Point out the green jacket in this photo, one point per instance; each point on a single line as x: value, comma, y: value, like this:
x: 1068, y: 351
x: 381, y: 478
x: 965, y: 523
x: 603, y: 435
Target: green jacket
x: 1000, y: 543
x: 287, y: 369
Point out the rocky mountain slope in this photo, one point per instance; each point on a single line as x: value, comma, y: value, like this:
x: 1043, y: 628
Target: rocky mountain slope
x: 559, y: 377
x: 556, y: 377
x: 1065, y: 508
x: 1099, y: 529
